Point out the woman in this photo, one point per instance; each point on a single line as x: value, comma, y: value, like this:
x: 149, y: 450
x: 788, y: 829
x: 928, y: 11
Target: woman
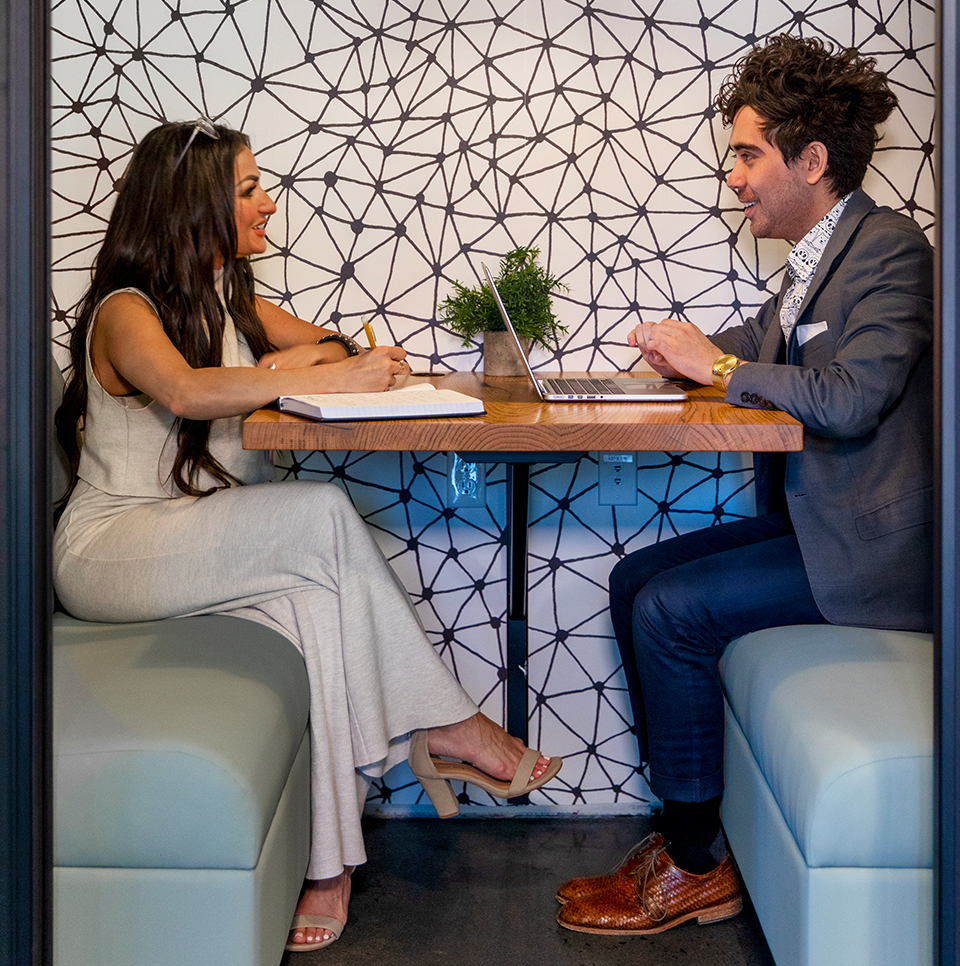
x: 168, y: 516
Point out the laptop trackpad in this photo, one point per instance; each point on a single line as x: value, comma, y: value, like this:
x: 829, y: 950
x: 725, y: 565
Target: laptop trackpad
x: 639, y: 384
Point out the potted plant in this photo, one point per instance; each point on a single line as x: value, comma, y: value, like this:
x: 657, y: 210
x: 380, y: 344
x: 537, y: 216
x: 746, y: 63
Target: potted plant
x: 525, y: 288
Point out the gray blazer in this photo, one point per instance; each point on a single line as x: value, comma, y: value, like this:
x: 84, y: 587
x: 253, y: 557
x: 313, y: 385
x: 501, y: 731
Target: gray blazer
x: 859, y: 376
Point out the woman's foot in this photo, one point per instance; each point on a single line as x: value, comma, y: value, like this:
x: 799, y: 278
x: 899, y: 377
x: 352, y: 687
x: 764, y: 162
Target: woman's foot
x: 485, y: 745
x: 321, y: 897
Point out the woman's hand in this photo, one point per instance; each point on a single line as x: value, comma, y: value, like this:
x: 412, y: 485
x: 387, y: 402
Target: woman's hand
x: 372, y: 371
x: 673, y: 348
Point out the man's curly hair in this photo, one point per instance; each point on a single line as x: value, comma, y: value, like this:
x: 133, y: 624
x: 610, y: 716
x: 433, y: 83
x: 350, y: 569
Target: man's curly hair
x: 804, y: 90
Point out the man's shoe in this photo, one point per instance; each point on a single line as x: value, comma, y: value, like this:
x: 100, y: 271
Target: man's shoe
x: 589, y: 885
x: 655, y: 897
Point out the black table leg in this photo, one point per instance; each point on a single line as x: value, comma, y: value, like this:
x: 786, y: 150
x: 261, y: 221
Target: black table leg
x: 518, y: 497
x: 518, y: 478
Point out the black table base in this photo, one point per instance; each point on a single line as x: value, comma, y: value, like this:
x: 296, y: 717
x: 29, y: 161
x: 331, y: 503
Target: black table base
x: 518, y: 499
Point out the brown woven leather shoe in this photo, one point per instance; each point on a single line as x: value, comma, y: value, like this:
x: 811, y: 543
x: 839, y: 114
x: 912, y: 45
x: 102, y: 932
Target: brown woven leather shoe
x: 589, y: 885
x: 655, y: 897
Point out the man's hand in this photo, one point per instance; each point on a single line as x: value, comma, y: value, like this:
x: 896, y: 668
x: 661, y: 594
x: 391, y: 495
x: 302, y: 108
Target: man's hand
x: 673, y: 348
x: 651, y: 357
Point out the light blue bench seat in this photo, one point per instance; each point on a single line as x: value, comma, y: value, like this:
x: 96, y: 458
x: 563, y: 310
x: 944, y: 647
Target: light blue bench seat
x: 181, y: 792
x: 829, y: 803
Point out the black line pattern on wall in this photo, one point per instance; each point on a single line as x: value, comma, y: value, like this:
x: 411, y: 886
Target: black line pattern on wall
x: 405, y: 141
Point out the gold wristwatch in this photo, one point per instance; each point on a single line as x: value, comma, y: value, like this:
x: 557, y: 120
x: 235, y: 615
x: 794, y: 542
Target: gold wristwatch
x: 723, y: 367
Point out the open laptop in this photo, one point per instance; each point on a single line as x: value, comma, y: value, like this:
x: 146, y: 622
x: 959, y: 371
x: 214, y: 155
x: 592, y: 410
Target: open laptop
x: 588, y: 389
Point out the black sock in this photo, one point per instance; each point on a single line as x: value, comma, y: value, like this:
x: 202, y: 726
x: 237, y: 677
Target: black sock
x: 689, y: 829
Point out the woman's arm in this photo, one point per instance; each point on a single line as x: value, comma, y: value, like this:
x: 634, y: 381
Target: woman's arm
x: 131, y: 352
x: 286, y: 331
x: 295, y: 339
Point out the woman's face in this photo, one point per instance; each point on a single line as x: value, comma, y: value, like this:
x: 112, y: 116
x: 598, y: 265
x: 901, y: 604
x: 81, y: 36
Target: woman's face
x: 252, y: 206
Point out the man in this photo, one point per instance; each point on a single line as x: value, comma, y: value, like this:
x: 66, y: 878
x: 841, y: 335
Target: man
x: 844, y: 528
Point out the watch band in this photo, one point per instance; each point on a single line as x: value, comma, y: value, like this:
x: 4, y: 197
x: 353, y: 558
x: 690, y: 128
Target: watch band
x: 352, y: 347
x: 722, y: 368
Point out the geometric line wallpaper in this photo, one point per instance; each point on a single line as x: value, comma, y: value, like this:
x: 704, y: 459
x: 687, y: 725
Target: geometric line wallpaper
x: 407, y: 141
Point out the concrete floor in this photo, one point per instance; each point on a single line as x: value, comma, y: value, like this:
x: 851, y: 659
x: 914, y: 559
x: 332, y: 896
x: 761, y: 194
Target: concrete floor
x: 480, y: 892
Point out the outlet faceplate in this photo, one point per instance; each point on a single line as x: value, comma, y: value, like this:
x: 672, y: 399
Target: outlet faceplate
x: 617, y: 478
x: 466, y: 482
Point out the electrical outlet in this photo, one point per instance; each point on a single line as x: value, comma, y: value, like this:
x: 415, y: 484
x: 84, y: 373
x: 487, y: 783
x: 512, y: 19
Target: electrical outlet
x: 466, y: 482
x: 617, y: 479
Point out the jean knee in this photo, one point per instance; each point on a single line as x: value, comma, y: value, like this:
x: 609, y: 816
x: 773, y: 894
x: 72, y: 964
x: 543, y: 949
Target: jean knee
x: 673, y: 617
x: 618, y: 579
x: 634, y: 571
x: 652, y: 614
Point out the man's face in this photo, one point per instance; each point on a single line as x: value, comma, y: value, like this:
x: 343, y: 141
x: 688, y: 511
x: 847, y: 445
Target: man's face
x: 778, y: 201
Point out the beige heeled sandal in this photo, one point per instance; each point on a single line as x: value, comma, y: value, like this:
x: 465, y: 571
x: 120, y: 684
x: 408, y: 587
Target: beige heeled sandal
x: 435, y: 775
x: 333, y: 926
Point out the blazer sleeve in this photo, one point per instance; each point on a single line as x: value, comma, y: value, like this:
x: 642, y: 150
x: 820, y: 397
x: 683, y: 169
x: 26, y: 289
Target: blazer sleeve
x: 877, y: 304
x: 746, y: 341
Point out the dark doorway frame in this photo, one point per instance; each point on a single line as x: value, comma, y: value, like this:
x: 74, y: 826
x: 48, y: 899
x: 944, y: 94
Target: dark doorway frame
x: 947, y: 674
x: 26, y: 935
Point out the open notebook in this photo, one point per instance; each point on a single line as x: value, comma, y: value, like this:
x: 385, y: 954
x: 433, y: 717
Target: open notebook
x: 410, y: 402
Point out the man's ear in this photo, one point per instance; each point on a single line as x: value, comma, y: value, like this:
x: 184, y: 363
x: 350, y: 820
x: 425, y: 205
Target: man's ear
x: 814, y: 162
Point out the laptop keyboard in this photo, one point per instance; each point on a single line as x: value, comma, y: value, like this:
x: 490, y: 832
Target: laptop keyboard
x: 585, y: 387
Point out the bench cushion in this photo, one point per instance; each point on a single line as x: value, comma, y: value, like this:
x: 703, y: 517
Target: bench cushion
x: 173, y: 740
x: 840, y: 721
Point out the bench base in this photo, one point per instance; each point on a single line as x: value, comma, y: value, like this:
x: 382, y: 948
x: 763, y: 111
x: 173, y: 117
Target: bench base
x: 818, y: 917
x: 191, y: 917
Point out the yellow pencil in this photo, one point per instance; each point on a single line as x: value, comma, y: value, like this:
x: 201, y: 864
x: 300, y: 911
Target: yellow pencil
x: 368, y: 328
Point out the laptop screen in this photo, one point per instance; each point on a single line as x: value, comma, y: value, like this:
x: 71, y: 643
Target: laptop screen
x: 512, y: 330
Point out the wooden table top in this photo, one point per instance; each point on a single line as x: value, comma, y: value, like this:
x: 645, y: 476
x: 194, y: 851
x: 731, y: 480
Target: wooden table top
x: 516, y: 421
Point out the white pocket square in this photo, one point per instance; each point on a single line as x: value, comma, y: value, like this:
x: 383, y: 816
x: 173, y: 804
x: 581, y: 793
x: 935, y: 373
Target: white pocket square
x: 806, y: 332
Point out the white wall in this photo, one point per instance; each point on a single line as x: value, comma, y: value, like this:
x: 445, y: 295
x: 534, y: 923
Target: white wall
x: 405, y: 143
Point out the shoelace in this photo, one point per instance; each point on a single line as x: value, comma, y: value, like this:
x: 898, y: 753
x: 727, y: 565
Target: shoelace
x: 639, y: 847
x: 649, y: 897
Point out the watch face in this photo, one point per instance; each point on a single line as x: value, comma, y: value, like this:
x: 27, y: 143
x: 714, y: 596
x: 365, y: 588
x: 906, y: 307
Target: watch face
x: 722, y: 368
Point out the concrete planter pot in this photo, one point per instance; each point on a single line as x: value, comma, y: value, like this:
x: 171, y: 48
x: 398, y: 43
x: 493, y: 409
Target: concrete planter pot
x: 500, y: 354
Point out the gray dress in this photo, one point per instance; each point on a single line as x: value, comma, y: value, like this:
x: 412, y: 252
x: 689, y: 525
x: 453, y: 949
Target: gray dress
x: 294, y: 556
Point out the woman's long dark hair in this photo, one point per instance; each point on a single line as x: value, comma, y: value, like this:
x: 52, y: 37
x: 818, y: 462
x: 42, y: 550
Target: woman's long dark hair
x: 170, y: 224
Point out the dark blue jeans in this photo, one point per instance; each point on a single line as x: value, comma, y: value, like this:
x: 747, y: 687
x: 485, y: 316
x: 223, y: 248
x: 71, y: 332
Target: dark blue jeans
x: 675, y: 606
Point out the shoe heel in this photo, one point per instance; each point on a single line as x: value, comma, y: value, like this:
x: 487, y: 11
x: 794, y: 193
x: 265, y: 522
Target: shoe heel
x: 438, y: 789
x: 441, y: 796
x: 717, y: 913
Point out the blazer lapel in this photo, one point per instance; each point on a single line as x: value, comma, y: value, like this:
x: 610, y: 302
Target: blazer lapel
x: 773, y: 339
x: 859, y: 205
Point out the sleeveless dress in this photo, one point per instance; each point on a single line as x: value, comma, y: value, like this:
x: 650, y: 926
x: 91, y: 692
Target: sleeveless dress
x: 292, y: 555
